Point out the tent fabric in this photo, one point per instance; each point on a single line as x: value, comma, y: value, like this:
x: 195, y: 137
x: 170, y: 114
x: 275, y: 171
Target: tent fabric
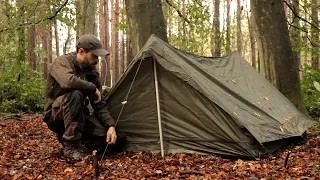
x: 215, y: 105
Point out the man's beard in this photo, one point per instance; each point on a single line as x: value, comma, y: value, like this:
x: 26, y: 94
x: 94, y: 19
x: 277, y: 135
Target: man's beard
x: 86, y: 65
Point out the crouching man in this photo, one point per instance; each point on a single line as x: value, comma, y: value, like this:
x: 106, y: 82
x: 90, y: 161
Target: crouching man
x: 73, y: 82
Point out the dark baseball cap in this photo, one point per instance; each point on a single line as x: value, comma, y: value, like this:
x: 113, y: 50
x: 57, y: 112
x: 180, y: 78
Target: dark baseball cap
x: 90, y: 42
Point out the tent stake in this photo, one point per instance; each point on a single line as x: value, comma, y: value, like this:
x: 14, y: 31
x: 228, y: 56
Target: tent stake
x: 158, y: 106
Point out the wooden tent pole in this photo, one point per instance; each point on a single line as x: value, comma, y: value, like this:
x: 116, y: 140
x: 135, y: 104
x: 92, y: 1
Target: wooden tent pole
x: 158, y: 106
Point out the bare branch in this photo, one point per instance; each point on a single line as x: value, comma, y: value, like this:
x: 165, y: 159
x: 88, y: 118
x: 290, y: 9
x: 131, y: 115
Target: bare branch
x: 297, y: 16
x: 305, y: 31
x: 178, y: 11
x: 37, y: 22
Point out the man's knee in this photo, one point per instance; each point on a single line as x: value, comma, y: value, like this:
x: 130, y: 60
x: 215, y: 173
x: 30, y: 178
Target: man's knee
x: 75, y: 95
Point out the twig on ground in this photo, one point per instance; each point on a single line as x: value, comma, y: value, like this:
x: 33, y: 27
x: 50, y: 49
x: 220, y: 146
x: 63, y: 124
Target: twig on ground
x: 95, y: 163
x: 287, y: 159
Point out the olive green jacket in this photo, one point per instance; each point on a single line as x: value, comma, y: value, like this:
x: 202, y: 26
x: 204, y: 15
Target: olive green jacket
x: 66, y: 75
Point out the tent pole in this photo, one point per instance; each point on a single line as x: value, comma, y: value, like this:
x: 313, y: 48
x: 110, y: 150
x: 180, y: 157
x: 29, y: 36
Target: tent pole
x: 158, y: 106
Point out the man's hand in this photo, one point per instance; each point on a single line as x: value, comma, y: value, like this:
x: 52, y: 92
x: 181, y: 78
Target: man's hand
x: 111, y: 135
x: 98, y: 96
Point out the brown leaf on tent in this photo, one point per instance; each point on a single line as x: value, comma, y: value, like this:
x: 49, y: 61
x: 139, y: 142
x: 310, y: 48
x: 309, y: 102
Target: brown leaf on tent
x: 234, y: 81
x: 257, y: 114
x: 266, y: 98
x: 289, y: 116
x: 281, y: 123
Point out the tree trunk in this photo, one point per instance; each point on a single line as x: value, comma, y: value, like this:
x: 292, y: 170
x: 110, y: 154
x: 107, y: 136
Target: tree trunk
x: 31, y: 47
x: 124, y: 57
x: 42, y: 32
x: 49, y: 53
x: 107, y: 45
x: 103, y: 39
x: 252, y: 41
x: 106, y: 68
x: 21, y: 34
x: 315, y: 35
x: 86, y: 17
x: 275, y: 48
x: 56, y: 36
x: 228, y: 42
x: 239, y: 33
x: 67, y: 42
x: 130, y: 55
x: 115, y: 43
x: 145, y: 17
x: 216, y: 30
x: 295, y: 33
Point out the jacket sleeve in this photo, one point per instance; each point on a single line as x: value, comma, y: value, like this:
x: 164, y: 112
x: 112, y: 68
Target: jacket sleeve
x: 62, y: 72
x: 101, y: 111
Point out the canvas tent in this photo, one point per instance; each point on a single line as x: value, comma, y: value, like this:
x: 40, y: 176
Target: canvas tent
x: 179, y: 102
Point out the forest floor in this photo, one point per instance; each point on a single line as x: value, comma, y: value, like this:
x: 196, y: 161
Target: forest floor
x: 28, y: 150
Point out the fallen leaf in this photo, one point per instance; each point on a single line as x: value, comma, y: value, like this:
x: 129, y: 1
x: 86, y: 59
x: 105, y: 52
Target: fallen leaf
x: 266, y: 98
x: 257, y: 114
x: 36, y: 162
x: 68, y: 170
x: 28, y: 176
x: 158, y: 172
x: 234, y: 81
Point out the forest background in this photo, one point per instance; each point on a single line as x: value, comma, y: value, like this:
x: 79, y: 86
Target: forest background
x: 280, y: 39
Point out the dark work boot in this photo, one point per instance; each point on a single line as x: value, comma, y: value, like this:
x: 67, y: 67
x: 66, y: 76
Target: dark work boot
x: 75, y: 151
x: 59, y: 138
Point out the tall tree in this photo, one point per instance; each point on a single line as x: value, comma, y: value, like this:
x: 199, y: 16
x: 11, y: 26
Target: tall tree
x: 252, y: 40
x: 123, y: 61
x: 31, y: 55
x: 86, y: 17
x: 275, y: 48
x: 145, y: 17
x: 43, y: 33
x: 56, y: 36
x: 115, y: 43
x: 21, y: 33
x: 295, y: 31
x: 102, y: 25
x: 216, y: 51
x: 315, y: 34
x: 105, y: 36
x: 239, y: 32
x: 67, y: 42
x: 228, y: 41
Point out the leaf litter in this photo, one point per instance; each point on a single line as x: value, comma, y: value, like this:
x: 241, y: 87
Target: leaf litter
x: 30, y: 151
